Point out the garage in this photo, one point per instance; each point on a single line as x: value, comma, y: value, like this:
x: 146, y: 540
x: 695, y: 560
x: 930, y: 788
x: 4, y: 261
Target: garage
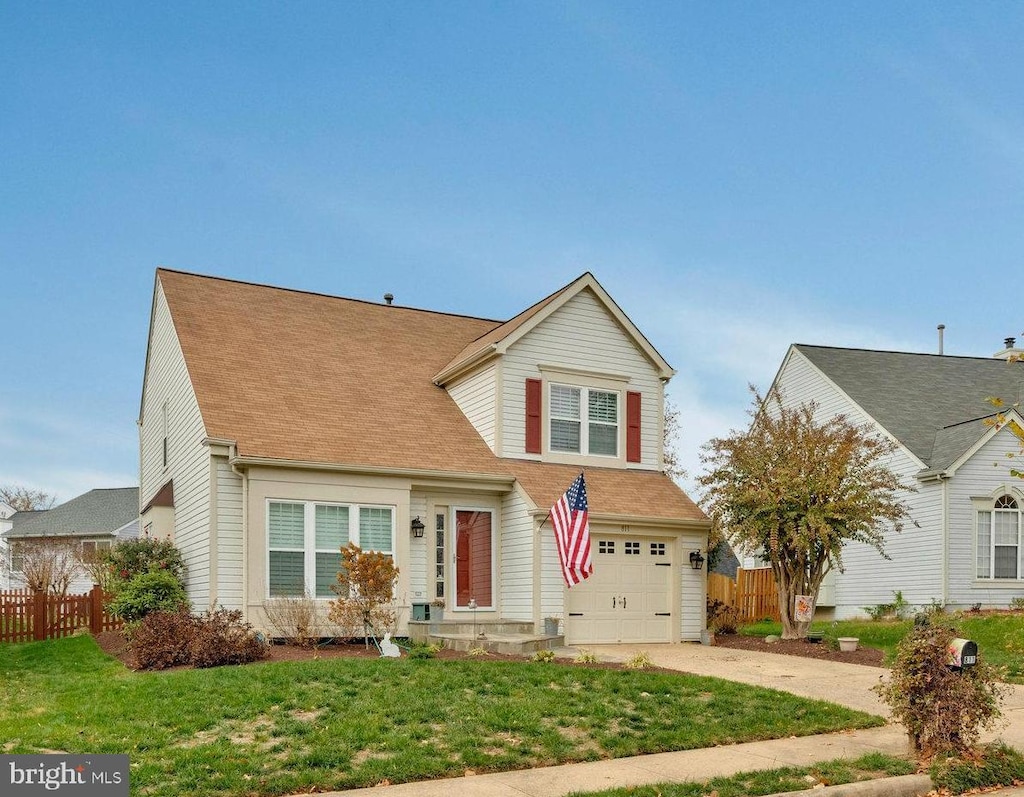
x: 630, y: 597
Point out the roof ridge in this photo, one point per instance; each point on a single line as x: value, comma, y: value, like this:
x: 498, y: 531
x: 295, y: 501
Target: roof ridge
x: 322, y: 295
x: 910, y: 353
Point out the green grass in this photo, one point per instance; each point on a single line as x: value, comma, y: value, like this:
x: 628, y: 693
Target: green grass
x: 1000, y: 637
x: 287, y: 727
x: 773, y: 781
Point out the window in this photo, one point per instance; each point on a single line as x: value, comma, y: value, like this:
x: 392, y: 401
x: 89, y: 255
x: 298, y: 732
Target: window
x: 606, y: 546
x: 305, y: 541
x: 657, y: 549
x: 632, y: 549
x: 999, y: 543
x: 90, y: 547
x: 584, y: 420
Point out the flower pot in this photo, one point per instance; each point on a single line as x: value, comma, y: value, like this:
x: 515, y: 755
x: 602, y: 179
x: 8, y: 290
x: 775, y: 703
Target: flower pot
x: 848, y: 644
x: 551, y: 626
x: 436, y: 614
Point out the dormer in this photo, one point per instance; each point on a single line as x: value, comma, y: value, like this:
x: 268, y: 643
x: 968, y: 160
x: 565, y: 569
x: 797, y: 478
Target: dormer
x: 569, y: 380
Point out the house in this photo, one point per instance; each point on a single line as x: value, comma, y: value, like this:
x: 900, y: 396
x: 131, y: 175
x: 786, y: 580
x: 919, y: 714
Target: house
x: 6, y: 524
x: 278, y: 425
x: 93, y: 521
x: 963, y: 547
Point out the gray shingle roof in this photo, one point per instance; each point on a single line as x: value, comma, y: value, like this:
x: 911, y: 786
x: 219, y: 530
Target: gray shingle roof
x: 933, y: 404
x: 101, y: 511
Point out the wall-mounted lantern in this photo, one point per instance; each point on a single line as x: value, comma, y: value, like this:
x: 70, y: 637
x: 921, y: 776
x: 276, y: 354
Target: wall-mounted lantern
x: 696, y: 560
x: 417, y: 527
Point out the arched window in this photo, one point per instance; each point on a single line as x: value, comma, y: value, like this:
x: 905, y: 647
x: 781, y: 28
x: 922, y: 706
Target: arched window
x: 999, y: 543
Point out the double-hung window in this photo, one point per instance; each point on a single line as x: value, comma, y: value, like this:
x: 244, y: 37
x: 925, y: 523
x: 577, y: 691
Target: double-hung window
x: 305, y: 538
x: 999, y: 540
x: 584, y: 420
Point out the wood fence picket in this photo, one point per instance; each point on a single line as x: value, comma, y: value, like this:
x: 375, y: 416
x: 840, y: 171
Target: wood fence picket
x: 27, y: 615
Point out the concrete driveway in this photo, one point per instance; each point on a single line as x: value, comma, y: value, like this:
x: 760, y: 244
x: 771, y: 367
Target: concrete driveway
x: 847, y: 684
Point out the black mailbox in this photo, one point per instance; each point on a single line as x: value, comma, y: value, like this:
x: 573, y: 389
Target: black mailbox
x: 963, y: 653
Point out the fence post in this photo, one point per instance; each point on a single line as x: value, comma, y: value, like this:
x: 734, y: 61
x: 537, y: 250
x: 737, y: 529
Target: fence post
x: 96, y: 609
x: 39, y: 620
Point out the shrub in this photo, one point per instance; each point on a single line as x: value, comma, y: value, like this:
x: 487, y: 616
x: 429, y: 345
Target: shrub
x: 1017, y: 603
x: 585, y: 657
x: 295, y: 619
x: 943, y: 709
x: 165, y: 639
x: 638, y: 661
x: 992, y: 765
x: 423, y: 651
x: 544, y: 656
x: 221, y: 637
x: 148, y: 592
x: 131, y: 558
x: 161, y: 640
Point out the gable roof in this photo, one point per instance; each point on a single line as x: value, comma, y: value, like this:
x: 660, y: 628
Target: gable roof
x: 101, y: 511
x: 933, y: 404
x: 295, y: 377
x: 501, y: 337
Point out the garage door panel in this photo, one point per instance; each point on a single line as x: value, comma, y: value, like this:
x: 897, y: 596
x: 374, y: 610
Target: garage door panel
x: 628, y: 598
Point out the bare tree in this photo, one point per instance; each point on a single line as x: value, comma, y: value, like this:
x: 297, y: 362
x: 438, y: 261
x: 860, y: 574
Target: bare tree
x: 48, y: 564
x: 24, y: 499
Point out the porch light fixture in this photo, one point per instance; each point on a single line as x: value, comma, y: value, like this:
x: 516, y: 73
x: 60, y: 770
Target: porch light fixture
x: 417, y: 527
x: 696, y: 560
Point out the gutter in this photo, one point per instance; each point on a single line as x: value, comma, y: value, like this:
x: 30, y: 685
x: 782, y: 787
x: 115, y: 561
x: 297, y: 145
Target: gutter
x: 369, y: 470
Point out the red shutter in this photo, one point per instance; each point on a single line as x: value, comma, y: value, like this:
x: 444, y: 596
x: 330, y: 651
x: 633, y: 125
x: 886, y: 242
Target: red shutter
x: 533, y: 410
x: 632, y: 427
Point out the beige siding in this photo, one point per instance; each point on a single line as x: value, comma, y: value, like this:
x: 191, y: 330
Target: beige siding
x: 580, y: 335
x: 516, y: 577
x: 693, y: 584
x: 167, y: 382
x: 419, y: 551
x: 915, y: 563
x: 552, y: 585
x: 985, y: 475
x: 229, y: 536
x: 477, y: 398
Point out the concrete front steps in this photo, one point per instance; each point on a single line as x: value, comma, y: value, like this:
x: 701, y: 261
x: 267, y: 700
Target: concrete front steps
x: 506, y: 637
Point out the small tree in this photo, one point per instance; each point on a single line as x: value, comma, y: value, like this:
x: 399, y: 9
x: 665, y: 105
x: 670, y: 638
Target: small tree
x: 942, y: 709
x: 365, y: 589
x: 796, y: 491
x: 48, y: 564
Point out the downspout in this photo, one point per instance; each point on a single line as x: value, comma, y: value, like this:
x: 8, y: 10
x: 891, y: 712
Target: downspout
x: 244, y: 476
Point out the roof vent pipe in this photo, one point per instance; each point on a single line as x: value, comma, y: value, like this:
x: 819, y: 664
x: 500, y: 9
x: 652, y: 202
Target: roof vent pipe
x: 389, y: 298
x: 1009, y: 342
x: 941, y: 328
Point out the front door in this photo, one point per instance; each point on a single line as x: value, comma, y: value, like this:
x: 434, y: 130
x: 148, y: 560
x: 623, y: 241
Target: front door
x: 474, y: 558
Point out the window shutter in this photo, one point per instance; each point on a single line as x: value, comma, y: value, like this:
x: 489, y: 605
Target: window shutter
x: 533, y: 412
x: 632, y: 427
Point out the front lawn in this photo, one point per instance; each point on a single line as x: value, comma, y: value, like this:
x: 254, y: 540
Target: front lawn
x: 1000, y: 637
x: 286, y: 727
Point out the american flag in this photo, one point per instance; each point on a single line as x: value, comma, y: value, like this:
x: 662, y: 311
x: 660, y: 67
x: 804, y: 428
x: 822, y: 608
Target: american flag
x: 572, y: 532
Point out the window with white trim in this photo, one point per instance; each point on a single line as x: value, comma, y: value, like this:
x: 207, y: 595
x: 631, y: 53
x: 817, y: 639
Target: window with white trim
x: 583, y: 420
x: 999, y: 542
x: 305, y: 538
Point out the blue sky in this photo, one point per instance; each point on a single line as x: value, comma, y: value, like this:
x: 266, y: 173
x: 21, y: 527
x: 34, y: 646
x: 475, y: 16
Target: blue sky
x: 739, y: 176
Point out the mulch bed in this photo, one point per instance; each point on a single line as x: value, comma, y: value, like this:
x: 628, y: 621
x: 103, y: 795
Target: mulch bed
x: 871, y: 657
x: 114, y: 644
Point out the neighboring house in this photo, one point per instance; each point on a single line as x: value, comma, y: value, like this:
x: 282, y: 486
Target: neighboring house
x: 6, y: 524
x: 93, y: 521
x: 278, y: 425
x: 963, y: 546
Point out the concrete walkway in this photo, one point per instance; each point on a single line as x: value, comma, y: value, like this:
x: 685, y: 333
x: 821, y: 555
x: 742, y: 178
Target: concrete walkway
x: 845, y: 684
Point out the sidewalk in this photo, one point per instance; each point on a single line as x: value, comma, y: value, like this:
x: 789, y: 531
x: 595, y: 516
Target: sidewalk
x: 846, y: 684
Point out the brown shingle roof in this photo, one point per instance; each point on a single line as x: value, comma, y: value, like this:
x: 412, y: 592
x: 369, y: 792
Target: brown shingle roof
x: 610, y: 491
x: 304, y: 377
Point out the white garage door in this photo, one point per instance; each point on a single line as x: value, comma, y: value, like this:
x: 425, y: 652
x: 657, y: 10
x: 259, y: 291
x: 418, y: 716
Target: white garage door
x: 629, y: 596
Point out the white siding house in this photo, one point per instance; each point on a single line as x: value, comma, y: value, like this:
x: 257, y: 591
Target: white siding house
x: 952, y: 449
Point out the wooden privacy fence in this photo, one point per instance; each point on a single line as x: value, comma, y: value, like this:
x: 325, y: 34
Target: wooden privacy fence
x: 27, y: 615
x: 753, y: 593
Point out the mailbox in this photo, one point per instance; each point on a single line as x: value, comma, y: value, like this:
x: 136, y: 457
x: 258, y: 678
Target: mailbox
x: 963, y: 653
